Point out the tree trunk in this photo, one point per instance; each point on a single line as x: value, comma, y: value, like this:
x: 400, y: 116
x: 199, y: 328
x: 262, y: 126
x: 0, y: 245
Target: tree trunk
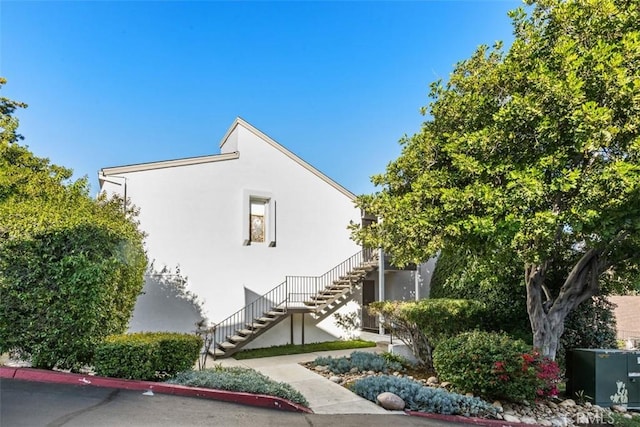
x: 546, y: 315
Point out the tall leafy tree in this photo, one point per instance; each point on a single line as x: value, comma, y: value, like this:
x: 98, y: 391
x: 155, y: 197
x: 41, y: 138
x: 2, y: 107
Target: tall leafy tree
x: 534, y: 152
x: 71, y: 267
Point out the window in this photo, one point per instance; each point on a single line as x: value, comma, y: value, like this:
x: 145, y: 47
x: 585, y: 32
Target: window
x: 256, y: 221
x: 259, y: 218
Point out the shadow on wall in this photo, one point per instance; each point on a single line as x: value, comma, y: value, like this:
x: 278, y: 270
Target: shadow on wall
x: 165, y: 304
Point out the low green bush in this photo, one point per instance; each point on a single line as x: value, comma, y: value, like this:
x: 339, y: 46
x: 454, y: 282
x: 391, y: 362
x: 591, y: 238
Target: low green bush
x: 421, y: 398
x: 495, y: 366
x: 238, y: 379
x: 423, y: 324
x: 146, y: 355
x: 362, y: 361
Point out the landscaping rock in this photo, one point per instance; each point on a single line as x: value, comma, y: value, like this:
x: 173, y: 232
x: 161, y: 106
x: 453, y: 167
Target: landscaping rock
x: 321, y: 368
x: 511, y: 418
x: 567, y: 403
x: 548, y: 413
x: 390, y: 401
x: 619, y: 408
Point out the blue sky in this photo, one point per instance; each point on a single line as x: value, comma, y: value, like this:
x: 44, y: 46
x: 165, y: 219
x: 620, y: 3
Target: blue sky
x: 338, y: 83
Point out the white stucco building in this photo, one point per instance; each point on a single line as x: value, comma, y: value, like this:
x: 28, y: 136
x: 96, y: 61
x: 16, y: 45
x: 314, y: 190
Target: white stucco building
x: 237, y: 224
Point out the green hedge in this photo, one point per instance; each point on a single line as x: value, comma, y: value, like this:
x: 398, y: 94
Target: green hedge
x: 146, y: 355
x: 62, y: 291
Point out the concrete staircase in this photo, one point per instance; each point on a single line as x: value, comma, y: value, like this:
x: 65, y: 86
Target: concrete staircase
x: 318, y: 295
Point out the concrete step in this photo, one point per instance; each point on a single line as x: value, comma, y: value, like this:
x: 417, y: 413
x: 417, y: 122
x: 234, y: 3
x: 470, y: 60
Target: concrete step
x: 342, y: 282
x: 244, y: 332
x: 273, y: 313
x: 256, y: 325
x: 236, y: 339
x: 227, y: 345
x: 334, y: 290
x: 216, y: 352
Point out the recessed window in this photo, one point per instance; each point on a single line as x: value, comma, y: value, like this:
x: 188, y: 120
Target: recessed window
x: 257, y: 224
x: 259, y: 218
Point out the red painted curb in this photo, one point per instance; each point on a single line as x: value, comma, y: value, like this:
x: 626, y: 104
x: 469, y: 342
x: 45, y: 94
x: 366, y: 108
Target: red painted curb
x: 464, y: 420
x: 40, y: 375
x: 7, y: 372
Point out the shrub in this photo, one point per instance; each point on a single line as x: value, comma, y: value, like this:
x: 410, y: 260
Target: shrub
x: 422, y: 324
x: 422, y: 398
x: 178, y: 352
x: 363, y: 361
x: 495, y: 366
x: 146, y: 356
x: 64, y: 290
x: 239, y: 379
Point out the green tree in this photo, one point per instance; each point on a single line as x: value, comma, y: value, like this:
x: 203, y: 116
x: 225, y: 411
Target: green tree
x: 499, y: 284
x: 534, y: 152
x: 71, y: 267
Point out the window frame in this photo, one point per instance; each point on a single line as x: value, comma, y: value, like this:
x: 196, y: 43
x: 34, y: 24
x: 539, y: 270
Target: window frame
x: 252, y: 196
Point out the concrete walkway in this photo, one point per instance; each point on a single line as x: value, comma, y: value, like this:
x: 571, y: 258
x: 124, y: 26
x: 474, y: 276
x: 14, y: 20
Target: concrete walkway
x: 324, y: 396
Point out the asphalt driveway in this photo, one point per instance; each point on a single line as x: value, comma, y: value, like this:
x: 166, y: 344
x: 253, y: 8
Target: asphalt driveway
x: 30, y: 404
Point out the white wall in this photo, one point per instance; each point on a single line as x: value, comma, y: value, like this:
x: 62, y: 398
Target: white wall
x: 193, y: 218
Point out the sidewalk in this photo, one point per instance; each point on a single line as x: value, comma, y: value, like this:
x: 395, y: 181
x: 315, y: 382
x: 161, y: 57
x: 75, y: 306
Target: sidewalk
x: 324, y: 396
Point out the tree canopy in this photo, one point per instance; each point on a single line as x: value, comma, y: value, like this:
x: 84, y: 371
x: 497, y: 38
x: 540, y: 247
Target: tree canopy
x: 71, y: 266
x: 533, y: 151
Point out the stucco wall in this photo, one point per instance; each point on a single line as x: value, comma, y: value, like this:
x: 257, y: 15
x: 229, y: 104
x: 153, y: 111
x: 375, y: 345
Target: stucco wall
x: 193, y: 217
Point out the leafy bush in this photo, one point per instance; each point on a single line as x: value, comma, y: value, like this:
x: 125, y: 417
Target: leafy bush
x: 147, y: 355
x: 422, y: 324
x: 495, y: 366
x: 422, y: 398
x: 64, y: 290
x: 363, y: 361
x: 239, y: 379
x: 177, y: 352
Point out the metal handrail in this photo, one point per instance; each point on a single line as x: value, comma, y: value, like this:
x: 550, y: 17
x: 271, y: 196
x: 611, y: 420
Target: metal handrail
x: 279, y: 298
